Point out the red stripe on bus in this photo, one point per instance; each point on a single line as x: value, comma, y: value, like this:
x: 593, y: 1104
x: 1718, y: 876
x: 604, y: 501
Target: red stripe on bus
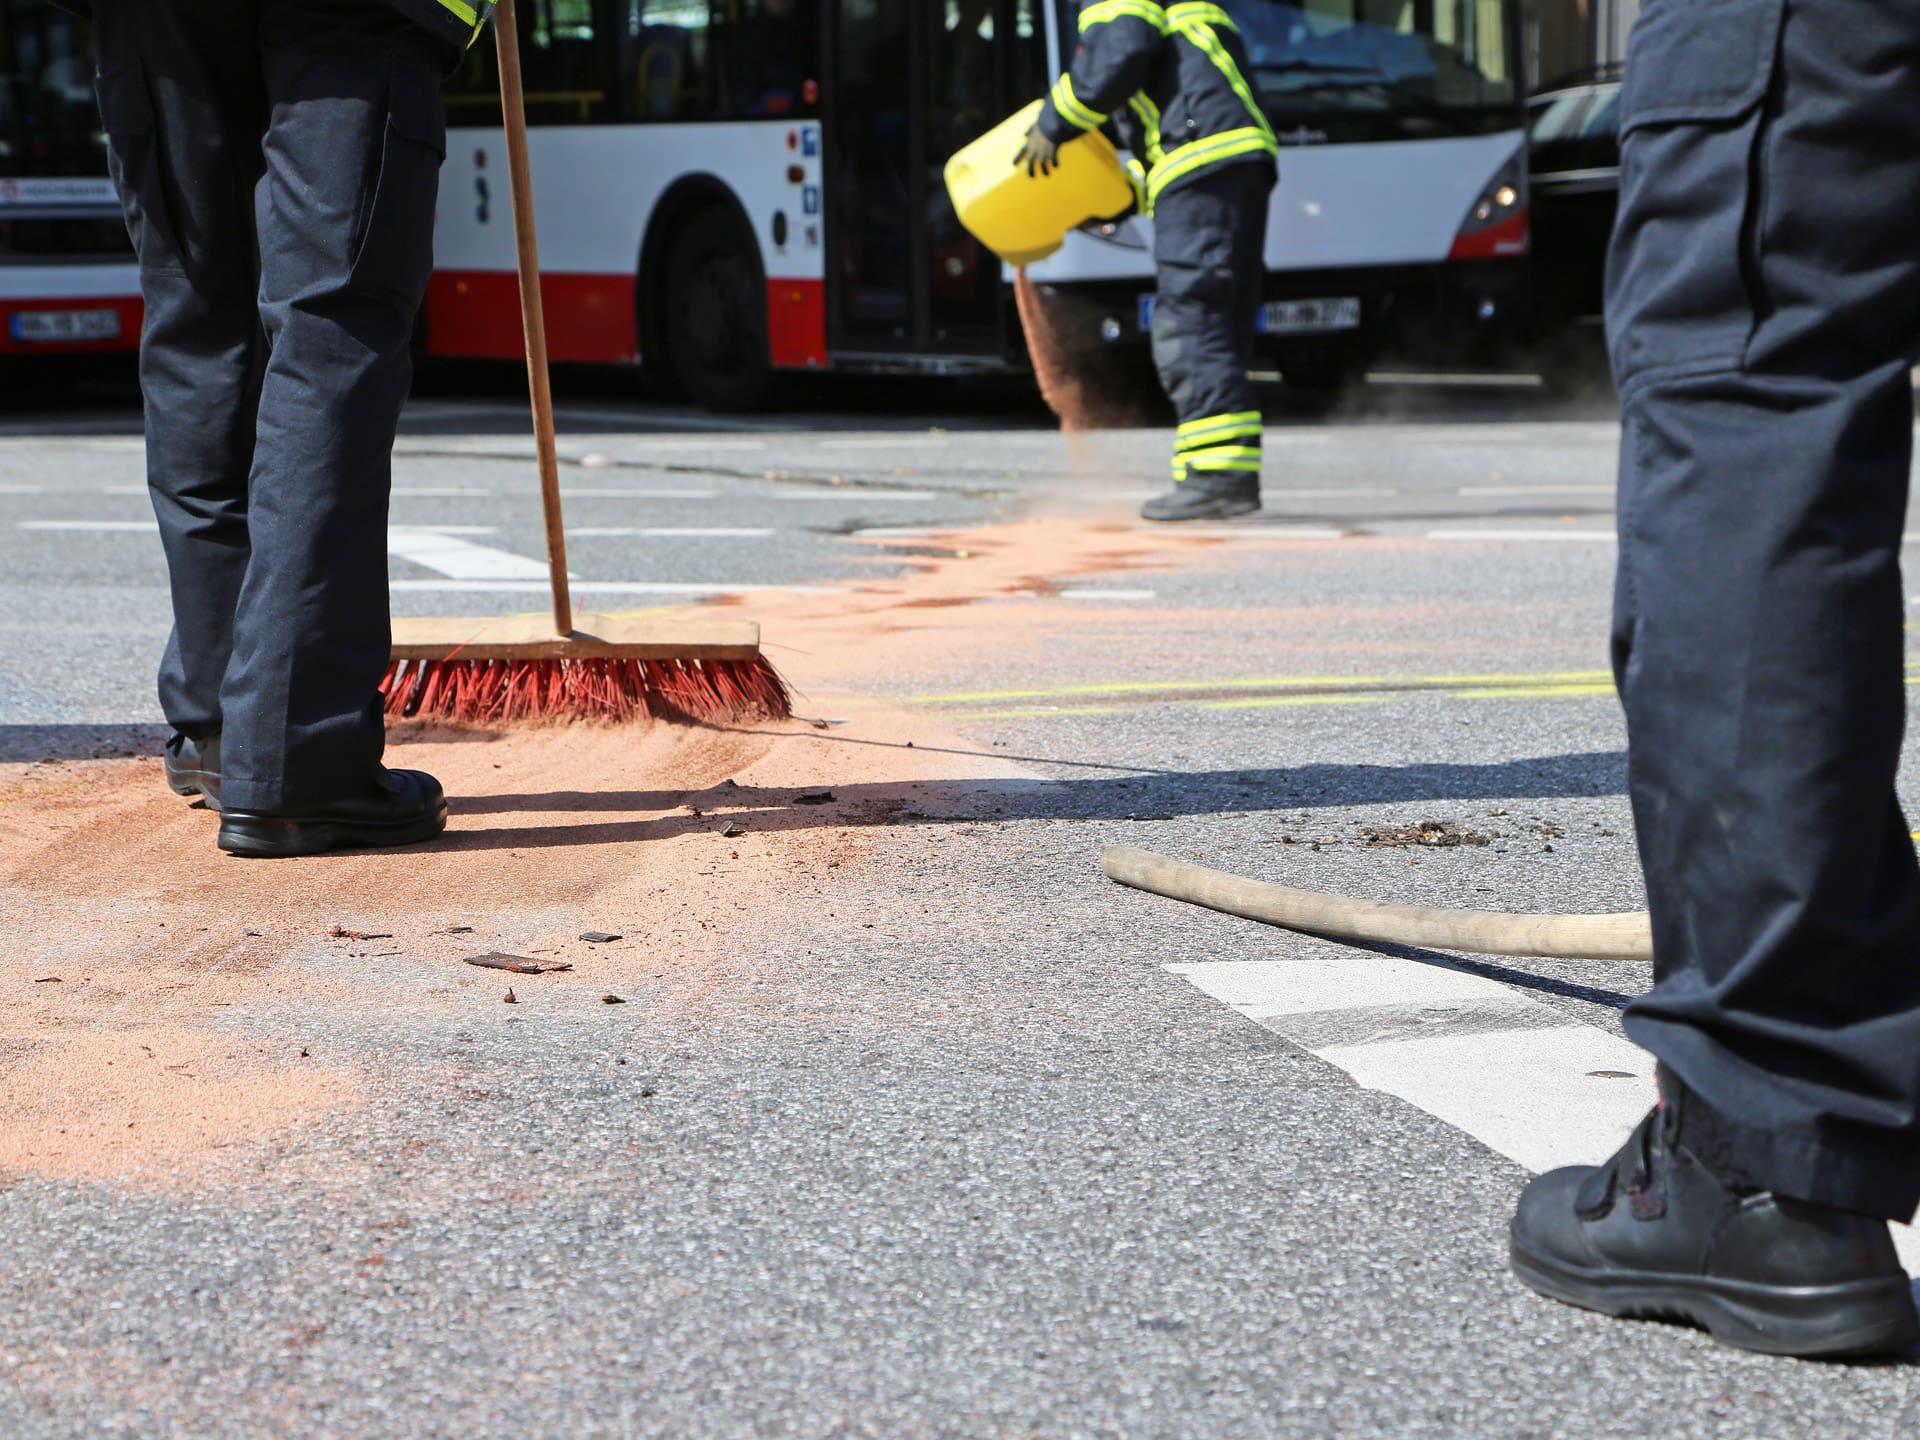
x: 127, y: 307
x: 475, y: 314
x: 1497, y: 242
x: 797, y: 323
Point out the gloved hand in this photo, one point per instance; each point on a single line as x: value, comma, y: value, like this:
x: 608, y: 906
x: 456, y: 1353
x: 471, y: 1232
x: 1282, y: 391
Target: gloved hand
x: 1039, y: 154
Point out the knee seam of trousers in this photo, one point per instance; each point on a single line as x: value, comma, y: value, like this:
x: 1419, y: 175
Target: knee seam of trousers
x: 1679, y: 373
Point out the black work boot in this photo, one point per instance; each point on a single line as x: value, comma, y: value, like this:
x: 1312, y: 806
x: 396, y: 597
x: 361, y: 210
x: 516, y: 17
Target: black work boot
x: 1654, y: 1235
x: 400, y: 807
x: 193, y: 767
x: 1206, y: 497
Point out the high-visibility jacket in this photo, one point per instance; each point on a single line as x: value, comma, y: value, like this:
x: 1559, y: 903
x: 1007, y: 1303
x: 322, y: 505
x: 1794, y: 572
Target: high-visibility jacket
x: 1172, y: 80
x: 460, y: 21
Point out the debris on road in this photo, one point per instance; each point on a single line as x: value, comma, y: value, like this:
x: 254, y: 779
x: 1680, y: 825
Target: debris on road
x: 1437, y: 833
x: 599, y: 937
x: 456, y: 930
x: 731, y: 829
x: 49, y: 980
x: 814, y: 797
x: 509, y: 998
x: 339, y: 933
x: 611, y: 1000
x: 518, y: 964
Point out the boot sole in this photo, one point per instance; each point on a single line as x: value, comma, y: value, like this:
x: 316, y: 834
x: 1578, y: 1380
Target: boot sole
x: 195, y: 782
x: 1857, y: 1320
x: 277, y: 837
x: 1221, y: 510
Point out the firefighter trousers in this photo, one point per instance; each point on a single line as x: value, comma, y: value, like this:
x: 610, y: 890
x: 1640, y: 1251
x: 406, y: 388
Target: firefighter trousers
x: 1209, y: 247
x: 277, y: 162
x: 1764, y: 307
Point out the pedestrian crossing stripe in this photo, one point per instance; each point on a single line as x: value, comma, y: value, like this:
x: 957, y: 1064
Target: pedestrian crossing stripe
x: 1524, y: 1079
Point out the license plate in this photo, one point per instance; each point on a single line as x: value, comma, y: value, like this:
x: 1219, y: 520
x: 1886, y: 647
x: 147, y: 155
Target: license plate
x: 1289, y: 317
x: 65, y: 325
x: 1309, y: 317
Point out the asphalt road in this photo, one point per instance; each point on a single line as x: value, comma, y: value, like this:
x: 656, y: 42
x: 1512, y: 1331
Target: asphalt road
x: 978, y: 1144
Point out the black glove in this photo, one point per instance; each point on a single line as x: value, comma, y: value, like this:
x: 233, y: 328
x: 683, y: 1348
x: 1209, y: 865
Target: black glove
x: 1039, y: 154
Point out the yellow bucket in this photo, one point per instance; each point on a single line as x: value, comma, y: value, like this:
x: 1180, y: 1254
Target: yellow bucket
x: 1023, y: 218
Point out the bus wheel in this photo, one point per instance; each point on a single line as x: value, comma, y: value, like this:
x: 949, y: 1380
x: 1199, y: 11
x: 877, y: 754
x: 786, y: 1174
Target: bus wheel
x: 716, y: 306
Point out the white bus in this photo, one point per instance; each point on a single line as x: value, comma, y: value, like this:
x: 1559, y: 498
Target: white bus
x: 731, y: 188
x: 68, y: 284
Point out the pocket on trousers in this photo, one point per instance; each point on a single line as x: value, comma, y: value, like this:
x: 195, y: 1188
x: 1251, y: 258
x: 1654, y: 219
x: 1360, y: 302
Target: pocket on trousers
x: 1684, y: 275
x: 393, y: 241
x: 126, y: 114
x: 1699, y: 61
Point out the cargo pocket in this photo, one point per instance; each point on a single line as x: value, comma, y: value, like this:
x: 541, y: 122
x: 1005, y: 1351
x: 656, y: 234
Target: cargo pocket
x: 126, y: 114
x: 1684, y: 284
x: 393, y: 238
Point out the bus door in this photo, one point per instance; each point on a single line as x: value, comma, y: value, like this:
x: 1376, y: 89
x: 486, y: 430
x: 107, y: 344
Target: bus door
x: 912, y: 82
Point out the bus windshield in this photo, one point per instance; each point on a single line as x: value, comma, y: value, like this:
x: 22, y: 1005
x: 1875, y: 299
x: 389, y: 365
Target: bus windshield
x: 55, y: 198
x: 1382, y: 69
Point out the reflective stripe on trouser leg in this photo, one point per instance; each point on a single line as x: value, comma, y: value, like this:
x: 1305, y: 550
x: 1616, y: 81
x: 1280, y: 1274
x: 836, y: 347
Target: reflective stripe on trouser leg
x: 1208, y: 247
x: 1218, y: 445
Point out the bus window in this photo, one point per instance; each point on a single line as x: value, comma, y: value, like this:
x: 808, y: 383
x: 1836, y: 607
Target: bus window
x: 563, y: 64
x: 767, y: 58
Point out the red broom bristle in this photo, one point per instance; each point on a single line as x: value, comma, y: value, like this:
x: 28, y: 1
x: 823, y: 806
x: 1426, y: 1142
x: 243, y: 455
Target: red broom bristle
x: 602, y: 688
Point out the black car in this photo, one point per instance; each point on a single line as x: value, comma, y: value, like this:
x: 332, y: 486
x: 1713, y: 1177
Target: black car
x: 1573, y: 148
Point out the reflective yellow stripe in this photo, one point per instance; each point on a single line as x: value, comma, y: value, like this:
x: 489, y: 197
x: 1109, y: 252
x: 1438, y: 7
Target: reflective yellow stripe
x: 1217, y: 437
x: 467, y: 15
x: 1137, y: 177
x: 1240, y: 462
x: 1197, y: 14
x: 1214, y: 150
x: 1149, y: 114
x: 1070, y: 108
x: 1107, y: 10
x: 1210, y: 422
x: 1214, y: 456
x: 1199, y: 31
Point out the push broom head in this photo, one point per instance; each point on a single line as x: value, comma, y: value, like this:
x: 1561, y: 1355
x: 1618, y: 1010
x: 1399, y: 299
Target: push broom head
x: 704, y: 672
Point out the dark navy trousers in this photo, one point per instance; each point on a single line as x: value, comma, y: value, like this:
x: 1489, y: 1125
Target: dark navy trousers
x: 278, y: 162
x: 1209, y: 251
x: 1764, y: 310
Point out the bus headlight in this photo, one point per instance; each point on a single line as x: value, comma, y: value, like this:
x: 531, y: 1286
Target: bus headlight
x: 1496, y: 225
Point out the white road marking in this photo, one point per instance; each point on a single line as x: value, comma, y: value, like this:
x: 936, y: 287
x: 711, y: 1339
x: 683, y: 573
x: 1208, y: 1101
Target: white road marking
x: 1536, y: 490
x: 1255, y: 531
x: 717, y: 532
x: 612, y: 587
x: 899, y: 532
x: 1519, y: 1076
x: 23, y: 489
x: 575, y: 493
x: 465, y: 492
x: 1109, y: 595
x: 461, y: 559
x: 1599, y: 537
x: 132, y: 526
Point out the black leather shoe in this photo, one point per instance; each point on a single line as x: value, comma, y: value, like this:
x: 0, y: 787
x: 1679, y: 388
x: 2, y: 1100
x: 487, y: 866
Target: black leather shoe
x: 399, y: 808
x: 1206, y: 497
x: 193, y: 767
x: 1652, y: 1234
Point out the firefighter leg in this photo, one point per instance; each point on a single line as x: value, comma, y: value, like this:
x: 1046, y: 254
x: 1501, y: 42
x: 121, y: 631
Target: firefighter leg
x: 344, y: 213
x: 1209, y: 238
x: 180, y: 99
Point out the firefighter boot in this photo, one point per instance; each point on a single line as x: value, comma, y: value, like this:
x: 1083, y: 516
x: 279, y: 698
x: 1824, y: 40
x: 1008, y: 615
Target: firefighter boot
x: 1206, y: 497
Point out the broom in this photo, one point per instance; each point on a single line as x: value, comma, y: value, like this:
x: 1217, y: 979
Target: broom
x: 589, y: 666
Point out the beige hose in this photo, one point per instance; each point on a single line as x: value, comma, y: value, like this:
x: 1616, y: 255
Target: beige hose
x: 1623, y: 936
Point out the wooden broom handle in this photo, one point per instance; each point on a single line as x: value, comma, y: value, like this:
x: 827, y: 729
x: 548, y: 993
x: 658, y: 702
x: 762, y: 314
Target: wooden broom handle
x: 506, y: 38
